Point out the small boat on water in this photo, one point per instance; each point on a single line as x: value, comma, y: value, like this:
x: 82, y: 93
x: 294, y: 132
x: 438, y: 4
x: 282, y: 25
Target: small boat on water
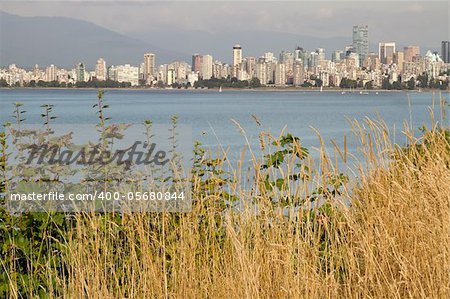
x: 220, y: 88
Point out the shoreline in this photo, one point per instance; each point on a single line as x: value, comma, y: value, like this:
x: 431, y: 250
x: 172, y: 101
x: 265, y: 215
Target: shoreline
x: 259, y: 89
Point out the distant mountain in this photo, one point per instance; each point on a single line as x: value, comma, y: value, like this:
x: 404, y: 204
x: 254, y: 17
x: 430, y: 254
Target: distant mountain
x: 27, y: 41
x: 219, y: 45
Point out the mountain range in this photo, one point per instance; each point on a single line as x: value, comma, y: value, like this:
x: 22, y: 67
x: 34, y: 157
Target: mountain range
x: 65, y: 42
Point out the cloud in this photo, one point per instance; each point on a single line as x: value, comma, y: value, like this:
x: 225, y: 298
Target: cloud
x: 325, y: 12
x: 416, y: 8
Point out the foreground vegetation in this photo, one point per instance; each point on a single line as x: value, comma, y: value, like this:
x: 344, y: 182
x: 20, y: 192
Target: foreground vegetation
x: 298, y: 228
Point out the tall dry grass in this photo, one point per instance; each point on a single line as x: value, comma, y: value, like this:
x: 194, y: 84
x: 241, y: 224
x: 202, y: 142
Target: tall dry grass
x: 385, y: 236
x: 392, y: 241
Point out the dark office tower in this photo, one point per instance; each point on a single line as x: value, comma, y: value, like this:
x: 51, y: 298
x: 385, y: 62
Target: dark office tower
x: 197, y: 60
x: 445, y: 52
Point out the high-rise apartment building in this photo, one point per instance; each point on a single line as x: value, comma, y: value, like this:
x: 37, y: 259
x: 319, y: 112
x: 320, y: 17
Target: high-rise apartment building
x: 269, y: 57
x: 337, y: 56
x: 410, y: 52
x: 299, y: 54
x: 445, y: 51
x: 262, y: 72
x: 287, y: 57
x: 386, y: 52
x: 372, y: 62
x: 197, y: 62
x: 298, y: 73
x: 207, y: 65
x: 149, y: 66
x: 250, y: 66
x: 320, y: 54
x: 361, y: 41
x: 50, y: 73
x: 237, y: 55
x: 280, y: 74
x: 112, y: 73
x: 170, y: 77
x: 399, y: 58
x: 353, y: 56
x: 313, y: 60
x: 80, y: 70
x: 100, y: 70
x: 127, y: 73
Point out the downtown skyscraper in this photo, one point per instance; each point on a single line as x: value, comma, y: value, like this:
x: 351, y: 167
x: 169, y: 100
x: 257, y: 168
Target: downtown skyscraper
x: 237, y: 55
x: 149, y: 66
x: 445, y: 51
x: 361, y: 42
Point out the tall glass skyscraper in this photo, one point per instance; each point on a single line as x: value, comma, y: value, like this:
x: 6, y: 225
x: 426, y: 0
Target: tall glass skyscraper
x: 445, y: 52
x: 361, y: 41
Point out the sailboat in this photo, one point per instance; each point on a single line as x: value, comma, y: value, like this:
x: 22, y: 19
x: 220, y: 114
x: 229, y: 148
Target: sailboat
x: 220, y: 88
x: 321, y: 88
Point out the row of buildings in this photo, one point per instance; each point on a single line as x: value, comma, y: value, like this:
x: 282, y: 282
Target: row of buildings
x: 297, y: 67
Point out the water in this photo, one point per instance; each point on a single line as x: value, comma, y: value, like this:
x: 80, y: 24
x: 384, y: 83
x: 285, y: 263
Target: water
x: 210, y: 113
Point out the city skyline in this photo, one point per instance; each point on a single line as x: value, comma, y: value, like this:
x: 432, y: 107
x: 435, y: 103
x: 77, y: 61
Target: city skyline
x: 77, y: 51
x: 389, y: 67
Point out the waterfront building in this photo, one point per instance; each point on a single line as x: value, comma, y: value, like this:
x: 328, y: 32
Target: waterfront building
x: 261, y: 72
x: 127, y: 73
x: 433, y: 64
x: 206, y: 71
x: 112, y: 74
x: 197, y: 62
x: 170, y: 77
x: 51, y: 73
x: 280, y: 74
x: 192, y: 77
x: 100, y: 70
x: 80, y: 72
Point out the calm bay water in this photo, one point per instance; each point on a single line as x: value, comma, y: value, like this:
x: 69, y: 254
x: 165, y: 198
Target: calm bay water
x: 210, y: 113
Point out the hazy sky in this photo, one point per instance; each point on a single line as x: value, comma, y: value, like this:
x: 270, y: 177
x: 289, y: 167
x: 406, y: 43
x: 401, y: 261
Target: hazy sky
x: 421, y: 22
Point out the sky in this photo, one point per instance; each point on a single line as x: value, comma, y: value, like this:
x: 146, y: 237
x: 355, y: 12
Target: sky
x: 424, y: 23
